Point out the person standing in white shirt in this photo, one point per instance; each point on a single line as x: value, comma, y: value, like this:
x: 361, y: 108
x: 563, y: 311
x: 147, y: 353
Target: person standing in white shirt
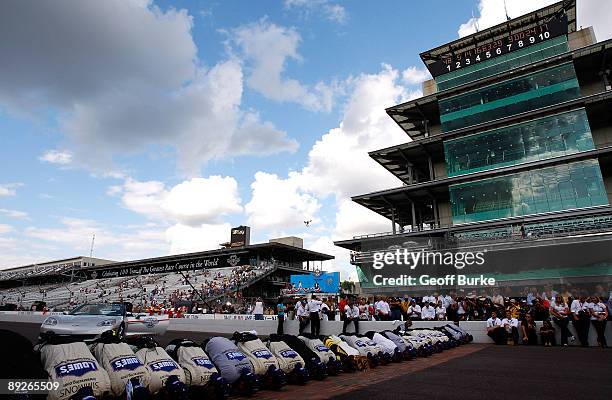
x: 581, y: 319
x: 428, y: 313
x: 258, y: 310
x: 511, y: 324
x: 314, y: 307
x: 301, y: 314
x: 560, y: 316
x: 441, y: 311
x: 599, y: 316
x: 495, y: 330
x: 351, y: 312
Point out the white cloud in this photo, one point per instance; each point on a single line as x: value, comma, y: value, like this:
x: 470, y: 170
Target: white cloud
x: 57, y: 157
x: 201, y: 200
x: 414, y: 75
x: 279, y: 203
x: 5, y: 229
x: 353, y: 219
x: 491, y: 12
x: 268, y: 47
x: 14, y: 213
x: 9, y: 189
x: 330, y: 10
x: 186, y: 239
x: 75, y: 235
x: 192, y: 202
x: 123, y: 89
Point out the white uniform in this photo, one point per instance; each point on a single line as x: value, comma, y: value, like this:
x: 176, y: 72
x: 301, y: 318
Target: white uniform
x: 492, y: 323
x: 510, y: 323
x: 314, y: 305
x: 428, y: 312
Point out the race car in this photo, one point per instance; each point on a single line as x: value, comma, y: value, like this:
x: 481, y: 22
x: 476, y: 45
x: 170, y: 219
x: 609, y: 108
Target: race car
x: 89, y: 321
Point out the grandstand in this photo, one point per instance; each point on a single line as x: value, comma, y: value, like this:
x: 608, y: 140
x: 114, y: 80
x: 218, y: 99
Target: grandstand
x: 202, y: 278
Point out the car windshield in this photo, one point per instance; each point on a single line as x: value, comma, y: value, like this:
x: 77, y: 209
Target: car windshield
x: 98, y: 309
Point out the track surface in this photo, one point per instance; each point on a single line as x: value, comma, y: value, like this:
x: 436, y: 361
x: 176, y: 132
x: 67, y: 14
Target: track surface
x: 503, y: 372
x: 469, y: 372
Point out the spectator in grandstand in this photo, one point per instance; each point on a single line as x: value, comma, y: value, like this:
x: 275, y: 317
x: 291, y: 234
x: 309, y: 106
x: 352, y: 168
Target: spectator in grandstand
x: 461, y: 309
x: 547, y: 334
x: 511, y: 324
x: 280, y: 316
x: 428, y: 312
x: 314, y: 307
x: 560, y: 315
x: 599, y: 316
x: 364, y: 310
x: 383, y: 311
x: 404, y: 304
x: 540, y: 309
x: 258, y: 309
x: 428, y: 299
x: 341, y: 304
x: 395, y: 307
x: 351, y: 312
x: 414, y: 311
x: 513, y: 308
x: 528, y: 330
x: 549, y: 294
x: 497, y: 298
x: 440, y: 311
x: 532, y: 295
x: 581, y: 316
x: 495, y: 330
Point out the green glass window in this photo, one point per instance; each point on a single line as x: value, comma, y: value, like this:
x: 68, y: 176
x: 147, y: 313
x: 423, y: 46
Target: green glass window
x: 494, y: 66
x: 555, y: 188
x: 525, y: 93
x: 539, y: 139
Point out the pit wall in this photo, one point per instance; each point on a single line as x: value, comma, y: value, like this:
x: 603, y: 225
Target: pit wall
x: 226, y: 324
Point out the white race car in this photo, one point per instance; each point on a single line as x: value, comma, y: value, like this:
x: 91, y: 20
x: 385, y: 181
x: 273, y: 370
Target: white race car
x: 89, y: 321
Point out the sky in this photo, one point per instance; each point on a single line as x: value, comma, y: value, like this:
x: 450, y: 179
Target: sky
x: 158, y: 125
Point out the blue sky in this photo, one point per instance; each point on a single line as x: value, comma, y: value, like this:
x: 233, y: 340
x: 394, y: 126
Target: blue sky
x: 158, y: 125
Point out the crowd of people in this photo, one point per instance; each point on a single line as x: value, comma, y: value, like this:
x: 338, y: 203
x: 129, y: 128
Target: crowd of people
x: 508, y: 319
x: 154, y: 291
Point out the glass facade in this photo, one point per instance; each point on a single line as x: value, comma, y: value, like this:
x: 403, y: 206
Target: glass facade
x: 555, y: 188
x: 525, y: 93
x: 539, y: 139
x: 484, y: 69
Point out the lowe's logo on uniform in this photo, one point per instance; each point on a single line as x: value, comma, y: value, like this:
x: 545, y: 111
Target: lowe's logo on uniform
x: 288, y: 353
x: 262, y: 354
x: 360, y: 343
x: 129, y: 363
x: 163, y: 365
x: 235, y: 355
x: 203, y: 362
x: 75, y: 368
x: 322, y: 348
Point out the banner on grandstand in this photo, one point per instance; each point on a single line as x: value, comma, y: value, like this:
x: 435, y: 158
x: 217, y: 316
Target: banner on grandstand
x: 326, y: 282
x: 168, y: 267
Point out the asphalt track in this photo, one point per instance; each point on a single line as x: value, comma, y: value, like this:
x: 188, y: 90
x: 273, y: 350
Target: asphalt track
x: 474, y: 371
